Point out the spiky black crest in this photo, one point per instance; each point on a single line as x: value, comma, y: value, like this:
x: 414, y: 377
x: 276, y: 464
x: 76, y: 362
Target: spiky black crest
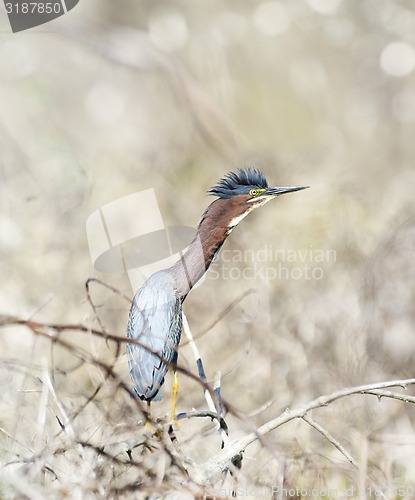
x: 240, y: 182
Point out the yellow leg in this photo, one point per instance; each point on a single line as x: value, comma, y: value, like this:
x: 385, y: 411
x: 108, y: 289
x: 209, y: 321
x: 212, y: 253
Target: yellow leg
x: 174, y: 397
x: 148, y: 417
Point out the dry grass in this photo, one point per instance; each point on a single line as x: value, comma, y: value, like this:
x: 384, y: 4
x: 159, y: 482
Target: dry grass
x: 87, y: 442
x: 95, y: 106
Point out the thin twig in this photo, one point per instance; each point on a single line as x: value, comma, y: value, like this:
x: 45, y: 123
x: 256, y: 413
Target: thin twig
x: 213, y: 468
x: 67, y: 425
x: 391, y: 394
x: 214, y: 406
x: 107, y: 285
x: 261, y: 408
x: 225, y: 311
x: 52, y: 331
x: 209, y: 400
x: 331, y: 439
x: 216, y: 388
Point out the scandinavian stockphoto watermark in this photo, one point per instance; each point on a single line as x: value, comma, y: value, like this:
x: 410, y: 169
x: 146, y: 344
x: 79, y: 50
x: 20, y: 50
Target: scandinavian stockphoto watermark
x: 24, y: 15
x: 269, y: 264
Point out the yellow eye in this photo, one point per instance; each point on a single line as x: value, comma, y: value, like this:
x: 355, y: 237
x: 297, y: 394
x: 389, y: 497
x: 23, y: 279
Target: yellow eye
x: 256, y: 192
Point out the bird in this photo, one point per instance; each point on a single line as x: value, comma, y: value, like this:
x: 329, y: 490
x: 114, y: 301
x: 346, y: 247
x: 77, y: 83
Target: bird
x: 156, y: 314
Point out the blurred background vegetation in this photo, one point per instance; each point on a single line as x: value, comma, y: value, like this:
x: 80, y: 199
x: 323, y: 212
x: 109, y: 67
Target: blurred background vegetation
x: 117, y: 97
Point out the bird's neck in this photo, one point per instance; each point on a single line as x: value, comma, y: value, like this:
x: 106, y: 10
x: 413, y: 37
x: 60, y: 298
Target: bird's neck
x: 196, y: 260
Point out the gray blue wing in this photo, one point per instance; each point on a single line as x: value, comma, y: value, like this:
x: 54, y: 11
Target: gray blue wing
x: 155, y: 321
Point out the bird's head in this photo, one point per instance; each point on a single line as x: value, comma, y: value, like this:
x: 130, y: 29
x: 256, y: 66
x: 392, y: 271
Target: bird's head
x: 242, y: 191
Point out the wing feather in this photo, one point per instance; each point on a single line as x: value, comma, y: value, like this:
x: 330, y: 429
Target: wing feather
x: 155, y: 321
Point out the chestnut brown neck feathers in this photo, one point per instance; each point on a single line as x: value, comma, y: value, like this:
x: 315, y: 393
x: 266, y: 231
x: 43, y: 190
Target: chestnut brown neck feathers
x: 216, y: 224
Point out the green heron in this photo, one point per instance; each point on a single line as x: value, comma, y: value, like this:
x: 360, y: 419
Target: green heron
x: 155, y: 318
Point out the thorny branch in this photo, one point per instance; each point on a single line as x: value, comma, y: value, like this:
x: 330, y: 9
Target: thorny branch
x: 212, y: 470
x: 331, y: 439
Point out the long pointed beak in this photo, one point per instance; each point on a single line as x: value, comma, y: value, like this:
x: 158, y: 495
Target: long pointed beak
x: 276, y: 191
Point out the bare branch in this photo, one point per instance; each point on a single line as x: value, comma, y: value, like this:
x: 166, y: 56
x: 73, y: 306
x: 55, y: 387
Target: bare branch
x: 331, y: 439
x: 224, y: 460
x: 390, y: 394
x: 213, y: 468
